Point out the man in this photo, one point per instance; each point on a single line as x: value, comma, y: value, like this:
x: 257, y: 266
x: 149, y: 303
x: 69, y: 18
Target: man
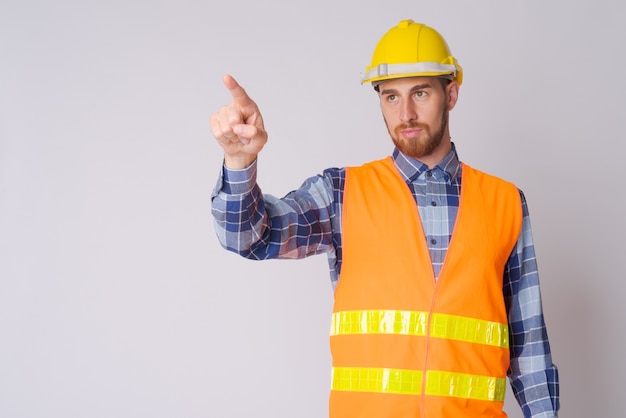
x: 434, y: 306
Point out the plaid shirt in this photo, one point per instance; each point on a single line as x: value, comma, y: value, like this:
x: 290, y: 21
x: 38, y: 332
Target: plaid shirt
x: 307, y: 221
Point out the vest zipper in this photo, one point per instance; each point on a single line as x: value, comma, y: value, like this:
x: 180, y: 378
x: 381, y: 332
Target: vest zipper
x: 432, y: 301
x: 426, y: 351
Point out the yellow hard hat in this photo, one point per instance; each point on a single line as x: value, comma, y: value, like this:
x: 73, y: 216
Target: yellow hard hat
x: 412, y: 50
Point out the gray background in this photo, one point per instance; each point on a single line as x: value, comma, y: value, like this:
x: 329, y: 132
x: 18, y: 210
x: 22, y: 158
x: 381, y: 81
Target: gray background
x: 115, y: 297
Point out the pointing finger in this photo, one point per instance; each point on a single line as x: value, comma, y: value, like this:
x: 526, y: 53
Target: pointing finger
x: 238, y: 93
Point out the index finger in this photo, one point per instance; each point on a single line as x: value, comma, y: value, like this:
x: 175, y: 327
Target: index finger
x: 238, y: 93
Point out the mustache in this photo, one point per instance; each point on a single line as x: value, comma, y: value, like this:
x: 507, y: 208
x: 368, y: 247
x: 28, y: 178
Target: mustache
x: 412, y: 125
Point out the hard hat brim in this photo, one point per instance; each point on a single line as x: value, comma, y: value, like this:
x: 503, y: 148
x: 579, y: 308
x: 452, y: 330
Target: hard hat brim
x: 419, y: 69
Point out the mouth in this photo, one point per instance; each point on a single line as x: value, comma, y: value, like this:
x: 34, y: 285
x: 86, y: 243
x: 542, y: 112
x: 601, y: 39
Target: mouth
x: 410, y: 133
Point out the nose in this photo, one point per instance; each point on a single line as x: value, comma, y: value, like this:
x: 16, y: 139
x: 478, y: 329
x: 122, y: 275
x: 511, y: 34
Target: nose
x: 408, y: 112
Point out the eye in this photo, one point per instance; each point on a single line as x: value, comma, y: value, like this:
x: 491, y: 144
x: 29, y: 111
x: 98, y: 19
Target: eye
x: 420, y: 94
x: 392, y: 98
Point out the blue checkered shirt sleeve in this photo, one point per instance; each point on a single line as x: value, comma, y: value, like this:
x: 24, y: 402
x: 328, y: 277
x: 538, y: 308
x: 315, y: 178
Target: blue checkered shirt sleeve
x: 260, y: 227
x: 534, y: 378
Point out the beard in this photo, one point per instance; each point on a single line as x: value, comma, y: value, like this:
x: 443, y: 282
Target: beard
x: 426, y: 143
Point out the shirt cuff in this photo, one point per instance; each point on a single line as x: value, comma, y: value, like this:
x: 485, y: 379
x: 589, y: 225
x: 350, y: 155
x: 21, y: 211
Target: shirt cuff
x: 238, y: 182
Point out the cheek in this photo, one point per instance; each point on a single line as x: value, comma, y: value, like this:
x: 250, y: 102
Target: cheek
x: 434, y: 113
x: 389, y: 114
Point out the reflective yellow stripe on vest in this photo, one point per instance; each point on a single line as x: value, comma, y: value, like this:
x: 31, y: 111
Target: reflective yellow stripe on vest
x: 409, y: 382
x: 415, y: 323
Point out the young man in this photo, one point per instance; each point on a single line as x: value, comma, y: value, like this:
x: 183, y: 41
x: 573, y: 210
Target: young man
x: 437, y: 293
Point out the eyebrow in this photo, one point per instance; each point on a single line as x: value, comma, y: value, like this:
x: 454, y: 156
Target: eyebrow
x: 413, y: 89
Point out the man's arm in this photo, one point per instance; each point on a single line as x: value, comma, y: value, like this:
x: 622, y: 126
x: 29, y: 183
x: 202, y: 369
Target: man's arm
x: 534, y: 378
x: 258, y: 226
x: 261, y: 226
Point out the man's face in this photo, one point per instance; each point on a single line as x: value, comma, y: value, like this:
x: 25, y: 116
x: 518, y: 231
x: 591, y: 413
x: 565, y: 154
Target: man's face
x: 416, y: 114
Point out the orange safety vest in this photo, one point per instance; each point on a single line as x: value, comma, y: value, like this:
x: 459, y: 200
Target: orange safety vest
x: 407, y: 344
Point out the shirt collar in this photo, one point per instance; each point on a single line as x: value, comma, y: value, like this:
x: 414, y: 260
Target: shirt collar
x: 411, y: 168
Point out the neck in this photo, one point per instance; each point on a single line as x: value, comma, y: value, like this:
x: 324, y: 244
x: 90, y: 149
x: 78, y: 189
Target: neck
x: 438, y: 154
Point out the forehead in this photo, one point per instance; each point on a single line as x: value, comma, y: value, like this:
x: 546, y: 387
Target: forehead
x: 407, y: 83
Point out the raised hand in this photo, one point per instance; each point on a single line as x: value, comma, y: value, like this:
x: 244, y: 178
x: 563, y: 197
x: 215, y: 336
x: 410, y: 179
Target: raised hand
x: 238, y: 127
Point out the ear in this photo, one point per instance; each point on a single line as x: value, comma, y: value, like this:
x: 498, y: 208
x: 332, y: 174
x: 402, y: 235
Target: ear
x: 452, y: 91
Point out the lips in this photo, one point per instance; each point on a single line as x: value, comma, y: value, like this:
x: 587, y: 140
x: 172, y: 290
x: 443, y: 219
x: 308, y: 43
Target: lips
x: 410, y: 133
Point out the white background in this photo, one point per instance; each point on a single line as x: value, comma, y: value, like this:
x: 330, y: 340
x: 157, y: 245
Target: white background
x: 115, y: 297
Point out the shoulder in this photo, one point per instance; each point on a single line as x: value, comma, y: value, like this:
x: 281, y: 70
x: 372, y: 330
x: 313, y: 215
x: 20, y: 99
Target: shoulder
x: 372, y: 167
x: 488, y: 179
x: 383, y: 162
x: 335, y: 176
x: 494, y: 188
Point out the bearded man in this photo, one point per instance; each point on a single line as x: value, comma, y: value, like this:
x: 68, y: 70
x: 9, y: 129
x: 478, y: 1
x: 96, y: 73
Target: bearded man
x: 432, y: 262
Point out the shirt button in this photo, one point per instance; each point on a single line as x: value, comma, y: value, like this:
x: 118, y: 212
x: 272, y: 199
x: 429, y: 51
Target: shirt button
x: 429, y: 173
x: 433, y: 241
x: 433, y: 203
